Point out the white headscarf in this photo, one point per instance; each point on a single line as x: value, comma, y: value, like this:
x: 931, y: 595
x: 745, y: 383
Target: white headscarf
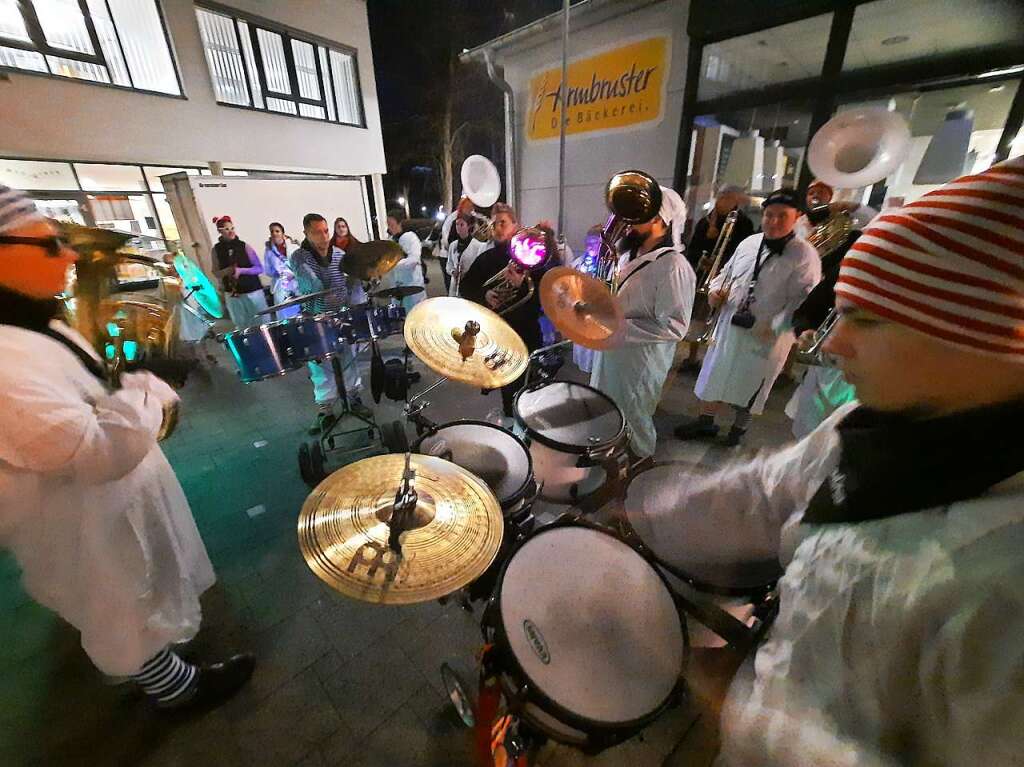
x: 673, y: 213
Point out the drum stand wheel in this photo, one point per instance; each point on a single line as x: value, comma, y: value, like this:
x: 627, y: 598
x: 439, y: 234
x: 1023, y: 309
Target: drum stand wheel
x: 458, y: 694
x: 311, y: 463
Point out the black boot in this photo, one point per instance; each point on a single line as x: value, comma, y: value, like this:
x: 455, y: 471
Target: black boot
x: 214, y: 684
x: 702, y: 427
x: 734, y: 437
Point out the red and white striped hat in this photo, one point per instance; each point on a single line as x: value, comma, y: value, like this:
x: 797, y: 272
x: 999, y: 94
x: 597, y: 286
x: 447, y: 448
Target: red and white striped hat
x: 950, y: 264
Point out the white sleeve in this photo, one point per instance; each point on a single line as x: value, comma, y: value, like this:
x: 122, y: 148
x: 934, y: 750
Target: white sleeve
x: 46, y: 433
x: 411, y: 245
x: 453, y: 257
x: 673, y: 304
x: 749, y: 501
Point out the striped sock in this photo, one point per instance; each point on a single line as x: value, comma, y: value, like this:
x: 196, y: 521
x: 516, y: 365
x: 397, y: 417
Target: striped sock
x: 165, y: 677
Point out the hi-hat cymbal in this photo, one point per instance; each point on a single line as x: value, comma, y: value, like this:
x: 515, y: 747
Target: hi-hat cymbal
x: 465, y: 342
x: 401, y: 291
x: 371, y: 260
x: 343, y: 531
x: 581, y: 307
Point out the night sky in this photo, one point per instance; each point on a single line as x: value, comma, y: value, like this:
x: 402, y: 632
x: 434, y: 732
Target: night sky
x: 411, y: 42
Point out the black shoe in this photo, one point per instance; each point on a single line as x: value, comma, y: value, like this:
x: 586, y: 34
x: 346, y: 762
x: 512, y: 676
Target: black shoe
x: 734, y: 437
x: 214, y: 684
x: 689, y: 366
x: 323, y: 422
x: 697, y: 428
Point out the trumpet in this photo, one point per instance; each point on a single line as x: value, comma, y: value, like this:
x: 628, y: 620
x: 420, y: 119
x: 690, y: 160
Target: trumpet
x: 529, y: 249
x: 814, y: 355
x: 633, y: 197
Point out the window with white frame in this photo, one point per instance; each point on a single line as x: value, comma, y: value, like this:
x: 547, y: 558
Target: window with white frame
x: 253, y: 64
x: 117, y: 42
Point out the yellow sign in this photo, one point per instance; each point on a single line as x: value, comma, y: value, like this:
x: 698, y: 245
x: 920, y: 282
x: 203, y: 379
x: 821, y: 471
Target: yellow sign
x: 615, y: 89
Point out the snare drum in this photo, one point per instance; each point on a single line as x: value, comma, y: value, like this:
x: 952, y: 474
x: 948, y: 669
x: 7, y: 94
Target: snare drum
x: 713, y: 566
x: 313, y: 337
x: 503, y: 462
x: 571, y: 429
x: 261, y: 351
x: 588, y: 645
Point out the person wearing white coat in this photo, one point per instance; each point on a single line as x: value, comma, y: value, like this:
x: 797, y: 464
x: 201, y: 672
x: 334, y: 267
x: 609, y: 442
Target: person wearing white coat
x: 656, y: 291
x: 408, y: 271
x: 463, y: 251
x: 899, y: 521
x: 768, y: 277
x: 89, y: 506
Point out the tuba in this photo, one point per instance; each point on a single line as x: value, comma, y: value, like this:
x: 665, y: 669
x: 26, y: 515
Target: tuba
x: 482, y: 185
x: 633, y: 197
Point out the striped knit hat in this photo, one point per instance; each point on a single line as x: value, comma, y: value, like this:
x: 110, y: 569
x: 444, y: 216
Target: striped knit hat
x: 951, y: 264
x: 16, y: 210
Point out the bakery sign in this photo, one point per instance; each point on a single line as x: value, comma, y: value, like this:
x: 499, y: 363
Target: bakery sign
x: 618, y: 88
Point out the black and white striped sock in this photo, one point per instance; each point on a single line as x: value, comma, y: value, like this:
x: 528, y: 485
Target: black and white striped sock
x: 165, y: 677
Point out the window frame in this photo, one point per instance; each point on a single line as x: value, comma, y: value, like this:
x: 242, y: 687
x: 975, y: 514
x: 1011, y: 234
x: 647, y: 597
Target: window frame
x: 288, y: 35
x: 39, y: 45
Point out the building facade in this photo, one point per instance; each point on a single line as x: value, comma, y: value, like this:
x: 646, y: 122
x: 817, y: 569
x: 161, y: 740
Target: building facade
x: 105, y: 96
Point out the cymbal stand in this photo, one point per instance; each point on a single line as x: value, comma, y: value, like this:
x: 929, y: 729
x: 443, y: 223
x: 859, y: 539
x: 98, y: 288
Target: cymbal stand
x: 328, y: 437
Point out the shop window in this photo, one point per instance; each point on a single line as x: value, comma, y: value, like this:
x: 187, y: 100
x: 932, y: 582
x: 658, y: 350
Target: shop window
x: 781, y: 54
x: 128, y: 213
x: 117, y: 42
x: 257, y: 66
x: 36, y: 174
x: 119, y: 178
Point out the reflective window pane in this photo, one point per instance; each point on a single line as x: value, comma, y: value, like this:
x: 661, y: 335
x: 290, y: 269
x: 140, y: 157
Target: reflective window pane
x: 328, y: 86
x: 33, y: 174
x: 63, y: 25
x: 223, y: 57
x: 250, y: 63
x: 109, y: 44
x: 281, y: 105
x: 121, y: 178
x: 890, y: 31
x: 308, y: 110
x: 126, y: 213
x: 79, y: 70
x: 12, y: 25
x: 305, y: 70
x: 145, y: 45
x: 346, y: 88
x: 61, y: 210
x: 170, y: 229
x: 274, y: 64
x: 788, y: 52
x: 21, y: 59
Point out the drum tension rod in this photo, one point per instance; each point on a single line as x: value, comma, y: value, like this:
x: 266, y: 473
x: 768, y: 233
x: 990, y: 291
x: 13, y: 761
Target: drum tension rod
x: 405, y: 504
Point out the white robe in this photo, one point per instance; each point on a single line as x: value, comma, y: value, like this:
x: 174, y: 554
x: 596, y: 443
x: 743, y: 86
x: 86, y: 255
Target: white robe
x: 898, y: 640
x: 89, y: 506
x: 459, y: 263
x: 408, y: 271
x: 740, y: 368
x: 656, y: 294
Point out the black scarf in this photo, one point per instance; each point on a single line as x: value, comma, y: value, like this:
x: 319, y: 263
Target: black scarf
x: 894, y: 463
x: 775, y: 247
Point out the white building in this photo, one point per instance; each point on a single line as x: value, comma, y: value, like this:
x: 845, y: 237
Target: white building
x: 99, y: 104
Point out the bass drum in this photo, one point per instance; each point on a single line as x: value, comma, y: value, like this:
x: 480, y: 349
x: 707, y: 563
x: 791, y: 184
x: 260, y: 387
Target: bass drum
x: 503, y: 462
x: 572, y: 430
x: 575, y: 660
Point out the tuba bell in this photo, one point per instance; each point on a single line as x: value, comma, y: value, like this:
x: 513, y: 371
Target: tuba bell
x: 482, y: 185
x: 858, y: 147
x: 632, y: 197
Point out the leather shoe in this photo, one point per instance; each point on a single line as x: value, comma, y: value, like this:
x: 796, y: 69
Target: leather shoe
x: 696, y: 428
x: 214, y: 684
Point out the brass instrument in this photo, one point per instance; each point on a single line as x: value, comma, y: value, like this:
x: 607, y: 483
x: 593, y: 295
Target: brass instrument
x: 482, y: 185
x: 702, y: 311
x: 529, y: 249
x: 122, y: 325
x: 832, y: 227
x: 633, y: 197
x: 814, y: 355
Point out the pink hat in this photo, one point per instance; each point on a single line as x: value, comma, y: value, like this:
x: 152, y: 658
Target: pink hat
x: 950, y: 264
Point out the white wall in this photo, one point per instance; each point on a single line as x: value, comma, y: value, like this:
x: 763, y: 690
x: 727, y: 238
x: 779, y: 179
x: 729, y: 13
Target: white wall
x: 64, y: 119
x: 592, y: 159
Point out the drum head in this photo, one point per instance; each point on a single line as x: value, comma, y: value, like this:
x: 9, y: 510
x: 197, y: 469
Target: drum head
x: 592, y: 625
x: 711, y: 557
x: 497, y: 457
x: 564, y: 414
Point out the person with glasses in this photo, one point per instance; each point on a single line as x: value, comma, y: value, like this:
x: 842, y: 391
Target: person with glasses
x: 89, y: 506
x: 239, y: 269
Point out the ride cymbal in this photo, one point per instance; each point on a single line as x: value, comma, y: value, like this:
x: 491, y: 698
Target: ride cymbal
x: 402, y: 291
x: 371, y: 260
x: 465, y: 342
x: 455, y: 535
x: 581, y: 307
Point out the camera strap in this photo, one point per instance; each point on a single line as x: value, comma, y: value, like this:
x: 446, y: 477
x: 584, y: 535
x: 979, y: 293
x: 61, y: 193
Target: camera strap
x: 767, y: 249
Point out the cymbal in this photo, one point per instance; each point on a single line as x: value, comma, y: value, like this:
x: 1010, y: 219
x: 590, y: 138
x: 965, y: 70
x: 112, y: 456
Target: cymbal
x: 343, y: 533
x: 401, y: 291
x: 465, y: 342
x: 581, y: 307
x: 371, y: 260
x: 298, y: 300
x: 195, y: 280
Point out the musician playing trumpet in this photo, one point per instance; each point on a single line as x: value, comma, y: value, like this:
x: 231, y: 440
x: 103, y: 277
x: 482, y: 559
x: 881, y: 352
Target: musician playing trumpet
x: 766, y: 280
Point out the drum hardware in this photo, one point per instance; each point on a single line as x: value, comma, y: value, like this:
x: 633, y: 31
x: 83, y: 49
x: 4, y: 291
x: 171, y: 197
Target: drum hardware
x: 581, y: 308
x: 814, y: 354
x: 632, y: 197
x: 446, y: 537
x: 298, y: 300
x: 400, y: 292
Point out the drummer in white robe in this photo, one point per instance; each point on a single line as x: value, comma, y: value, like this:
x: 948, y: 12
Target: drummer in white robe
x: 762, y: 285
x: 656, y: 291
x: 89, y: 506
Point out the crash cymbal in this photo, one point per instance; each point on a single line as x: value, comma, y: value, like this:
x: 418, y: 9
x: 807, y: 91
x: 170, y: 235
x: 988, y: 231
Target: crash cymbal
x: 581, y: 307
x: 402, y: 291
x: 198, y: 284
x: 343, y: 530
x: 465, y: 342
x: 371, y: 260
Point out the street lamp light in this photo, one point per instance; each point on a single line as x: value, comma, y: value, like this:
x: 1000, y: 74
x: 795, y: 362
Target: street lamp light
x: 401, y: 201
